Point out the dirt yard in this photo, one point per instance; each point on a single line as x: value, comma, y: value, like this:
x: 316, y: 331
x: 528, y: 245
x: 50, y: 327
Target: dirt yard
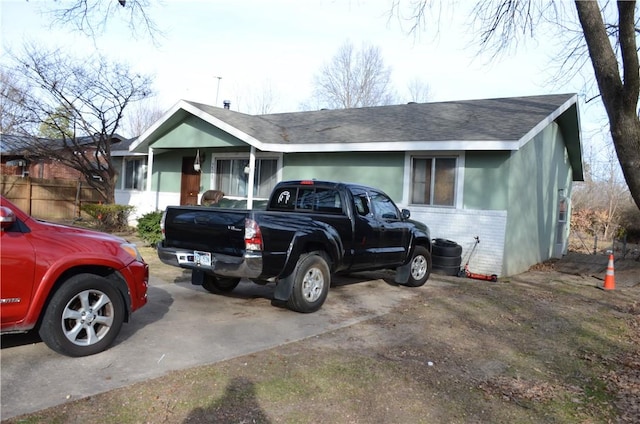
x: 546, y: 346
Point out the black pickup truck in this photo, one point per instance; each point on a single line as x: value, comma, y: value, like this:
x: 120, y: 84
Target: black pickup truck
x: 309, y: 231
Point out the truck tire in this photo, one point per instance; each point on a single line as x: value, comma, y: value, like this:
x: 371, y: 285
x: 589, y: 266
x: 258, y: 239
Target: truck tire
x: 83, y: 317
x: 446, y: 261
x: 420, y: 267
x: 446, y: 248
x: 311, y: 281
x: 447, y: 257
x: 216, y: 285
x: 447, y: 270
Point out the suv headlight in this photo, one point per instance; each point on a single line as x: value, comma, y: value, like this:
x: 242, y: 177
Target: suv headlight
x: 132, y: 250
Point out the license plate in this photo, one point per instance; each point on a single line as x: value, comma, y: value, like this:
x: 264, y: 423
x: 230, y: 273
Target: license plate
x: 202, y: 258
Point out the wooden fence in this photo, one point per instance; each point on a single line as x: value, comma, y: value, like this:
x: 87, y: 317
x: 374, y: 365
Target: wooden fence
x: 48, y: 199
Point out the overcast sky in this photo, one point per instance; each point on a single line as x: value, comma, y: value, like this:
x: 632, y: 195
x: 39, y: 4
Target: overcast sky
x: 251, y: 44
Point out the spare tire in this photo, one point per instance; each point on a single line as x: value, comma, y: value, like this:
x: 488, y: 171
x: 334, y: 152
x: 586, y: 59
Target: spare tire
x: 446, y: 248
x: 445, y: 270
x: 446, y: 260
x: 446, y: 257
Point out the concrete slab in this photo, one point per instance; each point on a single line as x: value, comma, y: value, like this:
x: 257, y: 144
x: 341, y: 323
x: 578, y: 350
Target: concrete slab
x: 182, y: 326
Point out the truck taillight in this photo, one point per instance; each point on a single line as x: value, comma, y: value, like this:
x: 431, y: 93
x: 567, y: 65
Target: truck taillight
x: 252, y: 235
x: 162, y: 222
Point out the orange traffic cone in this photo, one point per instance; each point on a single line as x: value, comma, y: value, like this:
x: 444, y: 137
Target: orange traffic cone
x: 610, y: 278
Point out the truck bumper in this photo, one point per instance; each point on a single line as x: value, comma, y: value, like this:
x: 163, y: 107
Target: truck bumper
x: 247, y: 266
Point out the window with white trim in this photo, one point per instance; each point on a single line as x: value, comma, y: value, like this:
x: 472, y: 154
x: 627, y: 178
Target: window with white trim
x: 135, y: 173
x: 232, y: 177
x: 433, y: 180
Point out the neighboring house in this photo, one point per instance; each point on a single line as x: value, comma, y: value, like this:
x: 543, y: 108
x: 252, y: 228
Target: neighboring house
x: 500, y: 169
x: 18, y: 158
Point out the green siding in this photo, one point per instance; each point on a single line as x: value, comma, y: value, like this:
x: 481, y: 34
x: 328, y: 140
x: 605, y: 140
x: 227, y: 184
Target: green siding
x: 184, y: 140
x: 536, y: 173
x: 194, y: 132
x: 167, y: 170
x: 485, y: 180
x: 380, y: 170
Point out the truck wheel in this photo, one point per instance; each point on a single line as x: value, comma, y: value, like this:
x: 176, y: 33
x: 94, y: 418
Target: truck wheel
x: 420, y: 267
x: 311, y: 283
x: 83, y: 317
x: 446, y: 248
x: 215, y: 284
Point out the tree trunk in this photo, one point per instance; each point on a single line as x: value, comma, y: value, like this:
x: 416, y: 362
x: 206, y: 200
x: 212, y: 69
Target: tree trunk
x: 620, y: 97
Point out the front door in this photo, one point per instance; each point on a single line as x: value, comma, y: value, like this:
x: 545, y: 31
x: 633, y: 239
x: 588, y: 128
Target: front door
x: 190, y: 183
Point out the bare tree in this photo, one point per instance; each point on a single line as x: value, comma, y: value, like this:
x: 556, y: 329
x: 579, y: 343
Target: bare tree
x: 256, y: 100
x: 602, y: 194
x: 419, y: 91
x: 354, y: 78
x: 93, y: 93
x: 140, y: 116
x: 265, y: 100
x: 91, y: 17
x: 12, y: 94
x: 608, y: 39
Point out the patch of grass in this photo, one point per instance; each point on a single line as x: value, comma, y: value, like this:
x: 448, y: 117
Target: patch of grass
x: 522, y: 352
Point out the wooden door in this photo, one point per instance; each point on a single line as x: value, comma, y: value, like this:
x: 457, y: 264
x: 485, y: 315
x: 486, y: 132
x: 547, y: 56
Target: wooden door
x: 190, y: 182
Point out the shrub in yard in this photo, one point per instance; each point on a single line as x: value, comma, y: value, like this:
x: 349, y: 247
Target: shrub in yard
x: 109, y: 217
x: 630, y: 222
x: 149, y: 227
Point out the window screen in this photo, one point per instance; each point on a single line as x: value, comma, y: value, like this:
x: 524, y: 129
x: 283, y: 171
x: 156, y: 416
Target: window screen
x: 433, y: 181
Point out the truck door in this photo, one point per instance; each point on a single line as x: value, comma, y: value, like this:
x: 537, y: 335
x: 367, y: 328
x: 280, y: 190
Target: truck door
x: 17, y: 269
x: 366, y: 237
x: 393, y: 233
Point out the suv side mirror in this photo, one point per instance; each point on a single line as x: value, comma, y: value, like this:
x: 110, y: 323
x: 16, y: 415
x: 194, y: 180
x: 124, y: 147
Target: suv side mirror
x: 7, y: 217
x: 406, y: 214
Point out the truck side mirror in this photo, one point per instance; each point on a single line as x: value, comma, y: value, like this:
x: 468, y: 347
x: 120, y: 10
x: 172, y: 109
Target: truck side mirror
x: 7, y: 217
x: 406, y: 214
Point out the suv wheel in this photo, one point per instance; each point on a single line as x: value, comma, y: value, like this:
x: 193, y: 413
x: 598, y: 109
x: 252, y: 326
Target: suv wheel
x: 83, y: 317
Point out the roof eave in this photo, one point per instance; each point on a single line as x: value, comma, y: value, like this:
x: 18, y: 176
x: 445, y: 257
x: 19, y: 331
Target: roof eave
x: 568, y: 119
x: 415, y: 145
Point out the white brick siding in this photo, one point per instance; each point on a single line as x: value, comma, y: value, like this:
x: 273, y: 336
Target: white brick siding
x: 462, y: 226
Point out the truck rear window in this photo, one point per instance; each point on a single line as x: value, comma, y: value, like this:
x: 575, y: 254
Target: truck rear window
x: 309, y: 199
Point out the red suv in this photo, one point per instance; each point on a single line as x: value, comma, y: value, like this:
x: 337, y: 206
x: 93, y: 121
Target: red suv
x: 75, y: 286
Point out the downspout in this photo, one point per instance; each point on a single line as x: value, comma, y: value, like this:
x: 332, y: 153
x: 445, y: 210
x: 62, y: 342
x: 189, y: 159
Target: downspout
x: 252, y: 173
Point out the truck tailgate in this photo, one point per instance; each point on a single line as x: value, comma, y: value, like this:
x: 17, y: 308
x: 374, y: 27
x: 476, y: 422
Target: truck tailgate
x: 214, y: 230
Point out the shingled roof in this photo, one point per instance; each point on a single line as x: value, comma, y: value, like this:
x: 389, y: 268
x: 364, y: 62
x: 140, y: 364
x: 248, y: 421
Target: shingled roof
x: 22, y: 145
x: 489, y: 124
x: 478, y: 120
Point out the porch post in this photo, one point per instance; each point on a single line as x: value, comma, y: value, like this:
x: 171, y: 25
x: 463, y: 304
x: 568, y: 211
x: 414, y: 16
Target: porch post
x: 149, y: 172
x: 252, y: 173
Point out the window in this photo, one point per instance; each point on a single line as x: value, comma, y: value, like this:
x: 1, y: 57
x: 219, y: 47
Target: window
x: 433, y: 181
x: 232, y: 177
x: 319, y: 200
x: 383, y: 207
x: 361, y: 201
x: 135, y: 173
x: 562, y: 217
x: 307, y: 199
x: 284, y: 199
x: 266, y: 177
